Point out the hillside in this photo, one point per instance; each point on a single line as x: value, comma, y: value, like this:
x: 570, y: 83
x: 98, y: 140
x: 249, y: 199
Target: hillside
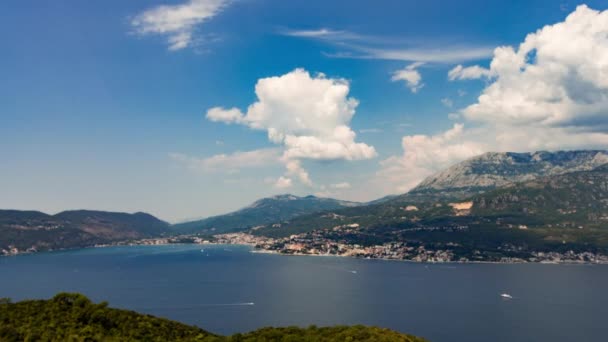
x: 80, y: 228
x: 552, y: 213
x: 575, y: 200
x: 264, y: 211
x: 73, y: 317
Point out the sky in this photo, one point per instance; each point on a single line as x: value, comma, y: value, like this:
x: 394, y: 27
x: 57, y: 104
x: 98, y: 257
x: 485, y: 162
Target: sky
x: 191, y: 108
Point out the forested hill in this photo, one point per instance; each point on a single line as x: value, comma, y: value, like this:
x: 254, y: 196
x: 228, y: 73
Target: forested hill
x: 261, y: 212
x: 73, y: 317
x: 78, y: 228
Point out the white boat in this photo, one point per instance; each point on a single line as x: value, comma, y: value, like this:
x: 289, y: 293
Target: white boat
x: 506, y: 296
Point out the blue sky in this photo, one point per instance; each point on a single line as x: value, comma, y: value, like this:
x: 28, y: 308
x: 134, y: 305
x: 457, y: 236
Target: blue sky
x: 100, y: 110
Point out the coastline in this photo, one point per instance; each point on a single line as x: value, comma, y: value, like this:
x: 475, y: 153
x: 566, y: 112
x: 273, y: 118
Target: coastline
x: 255, y: 250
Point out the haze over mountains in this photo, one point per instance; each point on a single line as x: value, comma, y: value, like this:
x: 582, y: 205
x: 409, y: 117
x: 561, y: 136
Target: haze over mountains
x: 544, y: 190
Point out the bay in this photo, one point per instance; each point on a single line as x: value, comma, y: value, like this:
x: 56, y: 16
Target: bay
x: 228, y: 289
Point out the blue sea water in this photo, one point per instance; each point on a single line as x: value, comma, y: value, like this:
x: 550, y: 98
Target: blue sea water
x: 227, y: 289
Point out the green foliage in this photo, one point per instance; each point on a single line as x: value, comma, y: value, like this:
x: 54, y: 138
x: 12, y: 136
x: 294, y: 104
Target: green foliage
x: 328, y: 334
x: 73, y: 317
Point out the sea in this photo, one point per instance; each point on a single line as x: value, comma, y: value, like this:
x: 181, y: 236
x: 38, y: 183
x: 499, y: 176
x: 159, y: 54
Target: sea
x: 229, y: 288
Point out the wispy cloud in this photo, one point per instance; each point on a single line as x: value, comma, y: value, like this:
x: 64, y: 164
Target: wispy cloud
x: 342, y: 185
x: 230, y: 163
x: 447, y: 54
x: 370, y: 130
x: 177, y: 22
x: 322, y: 33
x: 353, y: 45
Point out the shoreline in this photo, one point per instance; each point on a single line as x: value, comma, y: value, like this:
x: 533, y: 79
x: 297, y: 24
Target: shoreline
x: 255, y: 250
x: 264, y: 251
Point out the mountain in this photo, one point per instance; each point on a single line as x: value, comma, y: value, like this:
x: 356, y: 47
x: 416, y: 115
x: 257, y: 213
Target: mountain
x: 264, y: 211
x: 564, y: 209
x: 78, y: 228
x: 575, y: 200
x: 492, y: 170
x: 553, y: 218
x: 73, y: 317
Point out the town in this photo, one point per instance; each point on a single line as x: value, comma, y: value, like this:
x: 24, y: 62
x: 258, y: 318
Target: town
x: 319, y: 243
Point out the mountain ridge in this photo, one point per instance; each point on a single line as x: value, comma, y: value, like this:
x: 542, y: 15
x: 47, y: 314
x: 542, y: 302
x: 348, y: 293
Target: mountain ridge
x: 35, y: 230
x: 263, y: 211
x: 494, y: 169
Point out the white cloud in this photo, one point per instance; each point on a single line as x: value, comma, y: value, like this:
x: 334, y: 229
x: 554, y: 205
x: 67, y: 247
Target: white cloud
x: 342, y: 185
x: 558, y: 76
x: 447, y: 102
x: 360, y: 46
x: 230, y: 162
x: 321, y: 33
x: 218, y: 114
x: 410, y: 75
x: 447, y: 54
x: 308, y: 115
x: 177, y: 22
x: 424, y: 155
x: 469, y: 73
x: 550, y: 93
x: 283, y: 183
x: 294, y: 168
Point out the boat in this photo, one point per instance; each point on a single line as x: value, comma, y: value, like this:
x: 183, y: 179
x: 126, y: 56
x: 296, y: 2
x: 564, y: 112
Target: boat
x: 506, y: 296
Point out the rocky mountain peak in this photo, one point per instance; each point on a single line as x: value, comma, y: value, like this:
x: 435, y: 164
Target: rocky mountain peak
x: 495, y: 169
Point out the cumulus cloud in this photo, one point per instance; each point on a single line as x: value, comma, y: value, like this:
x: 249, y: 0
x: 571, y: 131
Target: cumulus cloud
x: 549, y: 93
x: 411, y: 76
x: 177, y: 22
x: 308, y: 115
x: 557, y: 76
x: 230, y: 162
x: 424, y: 155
